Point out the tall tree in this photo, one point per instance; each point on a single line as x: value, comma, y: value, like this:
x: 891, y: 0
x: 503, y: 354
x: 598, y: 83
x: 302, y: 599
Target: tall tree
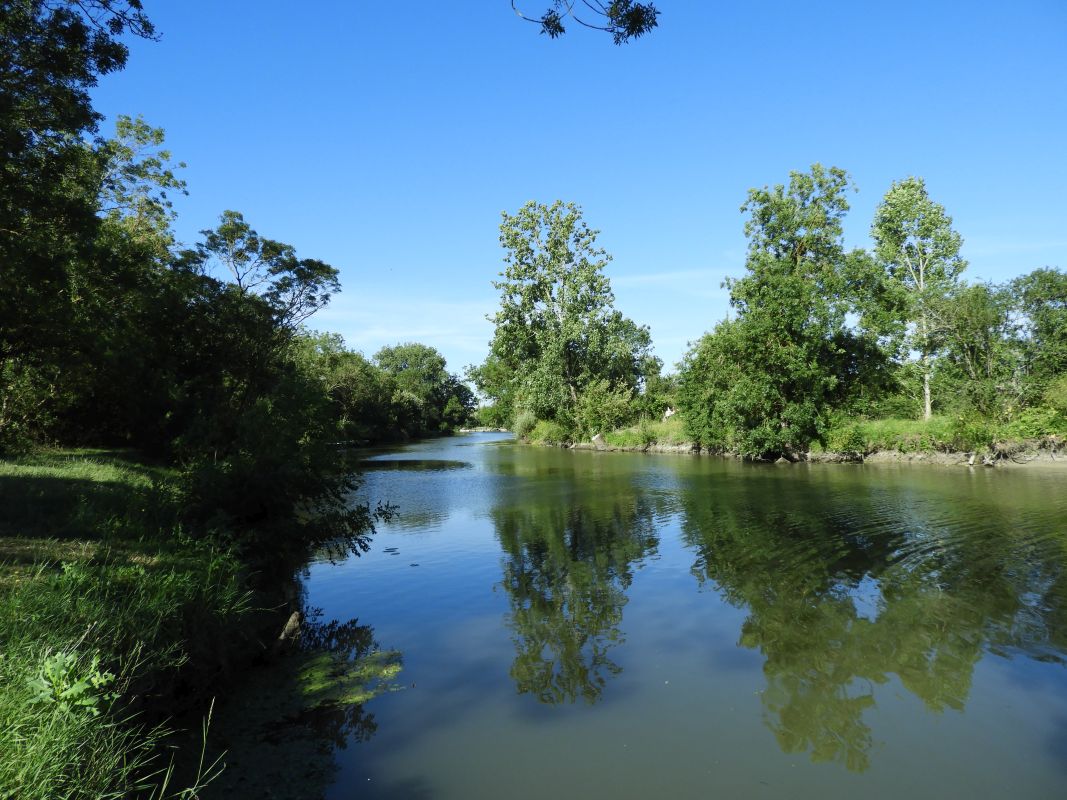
x: 557, y: 331
x: 765, y: 383
x: 920, y: 251
x: 438, y: 400
x: 51, y: 54
x: 981, y: 355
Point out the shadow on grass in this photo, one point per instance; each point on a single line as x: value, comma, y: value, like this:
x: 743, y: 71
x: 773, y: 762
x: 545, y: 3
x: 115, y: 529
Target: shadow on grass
x: 64, y: 495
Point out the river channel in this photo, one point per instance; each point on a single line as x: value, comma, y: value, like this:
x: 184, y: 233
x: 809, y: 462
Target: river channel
x: 622, y: 625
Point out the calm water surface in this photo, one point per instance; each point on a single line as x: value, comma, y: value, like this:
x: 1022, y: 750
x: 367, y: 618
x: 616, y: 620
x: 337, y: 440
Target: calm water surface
x: 607, y: 625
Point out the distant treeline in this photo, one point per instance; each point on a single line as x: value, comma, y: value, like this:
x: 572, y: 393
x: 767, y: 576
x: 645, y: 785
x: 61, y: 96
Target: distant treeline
x: 820, y: 336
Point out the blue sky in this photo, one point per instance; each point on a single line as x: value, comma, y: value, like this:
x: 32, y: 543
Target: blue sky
x: 386, y: 138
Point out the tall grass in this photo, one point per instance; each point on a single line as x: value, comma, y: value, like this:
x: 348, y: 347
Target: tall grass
x: 649, y: 432
x: 107, y: 613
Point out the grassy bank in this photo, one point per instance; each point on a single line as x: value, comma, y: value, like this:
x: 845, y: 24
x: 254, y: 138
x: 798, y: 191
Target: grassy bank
x: 1029, y: 433
x: 110, y: 619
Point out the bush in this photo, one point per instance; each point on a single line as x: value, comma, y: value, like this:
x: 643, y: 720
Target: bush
x: 603, y: 407
x: 971, y: 432
x: 523, y: 424
x: 545, y: 432
x: 847, y: 439
x: 1032, y: 423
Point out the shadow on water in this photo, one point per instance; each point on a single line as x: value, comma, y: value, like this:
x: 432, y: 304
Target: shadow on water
x: 845, y: 590
x: 281, y: 727
x: 412, y: 465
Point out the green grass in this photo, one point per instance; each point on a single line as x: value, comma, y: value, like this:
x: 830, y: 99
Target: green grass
x: 962, y: 433
x: 648, y: 432
x: 106, y: 613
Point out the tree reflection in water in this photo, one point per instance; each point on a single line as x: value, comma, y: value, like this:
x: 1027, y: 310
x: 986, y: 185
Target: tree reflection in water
x: 566, y: 572
x: 843, y: 592
x: 282, y: 725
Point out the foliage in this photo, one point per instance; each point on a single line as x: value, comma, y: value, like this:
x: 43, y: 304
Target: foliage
x: 920, y: 252
x: 602, y: 407
x: 71, y: 685
x: 980, y: 366
x: 1041, y: 300
x: 547, y: 432
x: 523, y: 423
x: 623, y: 19
x: 293, y: 288
x: 441, y: 402
x: 557, y: 331
x: 54, y: 53
x: 650, y: 432
x: 490, y: 416
x: 764, y: 383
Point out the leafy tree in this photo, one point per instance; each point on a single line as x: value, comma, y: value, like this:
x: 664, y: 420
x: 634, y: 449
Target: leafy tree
x: 623, y: 19
x: 439, y: 401
x: 138, y: 174
x: 557, y: 332
x: 920, y: 252
x: 294, y: 288
x: 981, y: 361
x: 764, y: 383
x: 1041, y: 299
x: 52, y: 54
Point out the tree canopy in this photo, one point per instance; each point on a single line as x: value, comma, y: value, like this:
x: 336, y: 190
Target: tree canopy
x: 763, y: 384
x: 558, y: 335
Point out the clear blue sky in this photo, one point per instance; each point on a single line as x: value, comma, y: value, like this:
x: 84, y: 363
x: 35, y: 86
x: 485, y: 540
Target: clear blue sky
x: 386, y: 138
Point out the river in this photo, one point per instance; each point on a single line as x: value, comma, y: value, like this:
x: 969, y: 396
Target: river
x: 621, y: 625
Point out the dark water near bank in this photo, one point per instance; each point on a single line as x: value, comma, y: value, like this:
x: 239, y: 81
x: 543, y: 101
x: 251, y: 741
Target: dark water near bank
x: 610, y: 625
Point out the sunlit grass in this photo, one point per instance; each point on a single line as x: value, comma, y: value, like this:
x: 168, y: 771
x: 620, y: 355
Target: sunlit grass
x: 96, y: 574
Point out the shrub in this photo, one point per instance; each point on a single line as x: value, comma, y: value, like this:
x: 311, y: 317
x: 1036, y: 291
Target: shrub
x: 971, y: 431
x: 847, y: 439
x: 523, y: 424
x: 545, y: 432
x: 603, y: 408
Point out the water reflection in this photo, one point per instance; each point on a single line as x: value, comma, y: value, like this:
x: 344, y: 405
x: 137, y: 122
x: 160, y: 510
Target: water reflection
x: 567, y: 568
x: 281, y: 728
x: 846, y: 589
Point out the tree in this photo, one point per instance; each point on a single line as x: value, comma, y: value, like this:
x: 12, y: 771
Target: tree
x: 51, y: 54
x: 557, y: 331
x: 920, y: 252
x: 294, y: 288
x: 981, y: 356
x: 765, y: 383
x: 1041, y: 298
x: 138, y: 173
x: 440, y: 402
x: 623, y: 19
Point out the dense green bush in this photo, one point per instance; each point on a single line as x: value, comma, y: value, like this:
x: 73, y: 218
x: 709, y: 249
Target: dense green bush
x: 547, y: 432
x: 523, y: 424
x: 603, y: 407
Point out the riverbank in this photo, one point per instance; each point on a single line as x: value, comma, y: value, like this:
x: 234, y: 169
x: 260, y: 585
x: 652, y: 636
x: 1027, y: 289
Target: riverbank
x: 871, y: 441
x: 114, y: 623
